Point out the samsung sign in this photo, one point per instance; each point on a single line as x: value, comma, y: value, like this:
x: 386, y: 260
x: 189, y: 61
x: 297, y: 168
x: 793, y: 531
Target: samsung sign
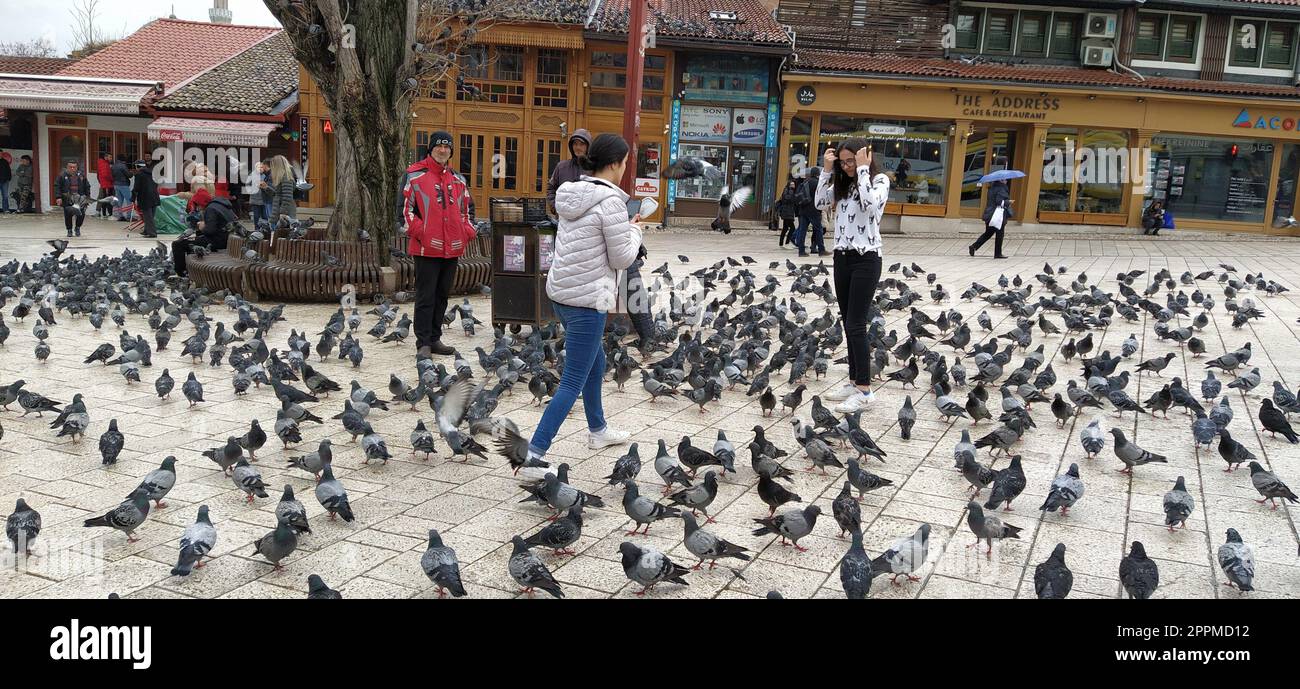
x: 1246, y: 121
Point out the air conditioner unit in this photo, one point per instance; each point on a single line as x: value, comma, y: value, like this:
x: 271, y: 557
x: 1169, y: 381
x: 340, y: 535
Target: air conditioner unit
x: 1101, y: 25
x: 1096, y: 54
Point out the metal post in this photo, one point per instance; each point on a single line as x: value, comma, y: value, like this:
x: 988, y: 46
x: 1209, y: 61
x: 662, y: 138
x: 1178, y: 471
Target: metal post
x: 632, y: 104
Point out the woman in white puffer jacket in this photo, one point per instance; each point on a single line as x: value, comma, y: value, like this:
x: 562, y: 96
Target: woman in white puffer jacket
x: 594, y: 241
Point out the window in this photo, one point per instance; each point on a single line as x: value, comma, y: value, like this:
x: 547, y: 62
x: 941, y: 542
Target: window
x: 608, y: 81
x: 495, y: 76
x: 509, y: 64
x: 800, y: 141
x: 1162, y: 37
x: 968, y: 30
x: 917, y: 160
x: 1033, y: 33
x: 439, y: 90
x: 505, y: 162
x: 1213, y: 178
x: 1065, y: 36
x: 726, y: 77
x: 548, y: 156
x: 475, y: 62
x: 471, y: 159
x: 1245, y: 43
x: 998, y: 30
x: 1272, y: 47
x: 1279, y: 46
x: 614, y: 100
x: 1084, y: 172
x: 421, y: 146
x: 552, y: 78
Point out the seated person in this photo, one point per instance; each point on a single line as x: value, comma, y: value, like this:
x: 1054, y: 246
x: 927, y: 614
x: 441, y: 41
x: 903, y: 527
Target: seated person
x: 1153, y: 218
x: 211, y: 232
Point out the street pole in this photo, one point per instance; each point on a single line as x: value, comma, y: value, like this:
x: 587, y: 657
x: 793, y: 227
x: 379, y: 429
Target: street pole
x: 632, y: 103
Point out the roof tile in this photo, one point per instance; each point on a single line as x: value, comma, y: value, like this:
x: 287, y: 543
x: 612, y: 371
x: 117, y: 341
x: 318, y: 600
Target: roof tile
x: 12, y: 64
x: 252, y: 82
x: 690, y: 19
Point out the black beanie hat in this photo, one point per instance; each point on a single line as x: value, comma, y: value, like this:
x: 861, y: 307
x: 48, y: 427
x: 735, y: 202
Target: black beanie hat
x: 440, y: 137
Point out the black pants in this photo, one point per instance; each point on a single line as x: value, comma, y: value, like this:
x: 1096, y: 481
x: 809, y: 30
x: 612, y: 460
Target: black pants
x: 991, y: 231
x: 71, y: 211
x: 856, y: 277
x: 433, y: 278
x: 146, y: 214
x: 181, y: 249
x: 1151, y: 224
x: 787, y: 231
x: 638, y: 303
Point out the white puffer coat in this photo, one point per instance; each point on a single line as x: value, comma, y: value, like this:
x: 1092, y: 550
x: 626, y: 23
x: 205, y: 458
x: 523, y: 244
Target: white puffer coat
x: 595, y: 239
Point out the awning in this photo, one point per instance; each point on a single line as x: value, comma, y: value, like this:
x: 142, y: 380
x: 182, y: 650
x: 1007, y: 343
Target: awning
x: 550, y: 37
x: 71, y: 96
x: 219, y: 132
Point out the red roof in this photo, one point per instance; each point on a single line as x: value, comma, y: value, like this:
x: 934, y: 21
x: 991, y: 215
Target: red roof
x: 10, y: 64
x: 169, y: 50
x: 690, y: 19
x: 840, y: 61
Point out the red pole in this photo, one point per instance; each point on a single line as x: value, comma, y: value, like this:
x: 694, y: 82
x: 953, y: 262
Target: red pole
x: 632, y: 104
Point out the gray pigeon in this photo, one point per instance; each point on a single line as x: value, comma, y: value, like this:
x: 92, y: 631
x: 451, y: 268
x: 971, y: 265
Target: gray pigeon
x: 292, y: 512
x: 1065, y: 491
x: 22, y: 527
x: 706, y: 546
x: 198, y: 540
x: 1237, y: 560
x: 1138, y: 573
x: 317, y: 589
x: 159, y: 482
x: 643, y: 510
x: 864, y: 480
x: 1270, y: 486
x: 192, y: 389
x: 987, y: 527
x: 791, y: 524
x: 440, y: 565
x: 331, y: 496
x: 560, y: 534
x: 1052, y: 578
x: 314, y: 462
x: 248, y: 480
x: 529, y: 571
x: 276, y: 545
x: 846, y: 511
x: 1178, y: 504
x: 904, y: 556
x: 698, y: 497
x: 855, y: 569
x: 1132, y: 455
x: 647, y: 566
x: 126, y: 517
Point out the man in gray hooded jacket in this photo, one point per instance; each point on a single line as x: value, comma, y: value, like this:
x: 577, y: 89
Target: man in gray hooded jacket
x: 568, y: 170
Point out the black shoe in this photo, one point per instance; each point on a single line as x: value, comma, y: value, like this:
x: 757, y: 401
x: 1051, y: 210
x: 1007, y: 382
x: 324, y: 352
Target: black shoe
x: 69, y: 234
x: 971, y: 250
x: 423, y: 353
x: 802, y: 254
x: 441, y: 349
x: 150, y: 236
x: 1156, y: 233
x: 1000, y: 256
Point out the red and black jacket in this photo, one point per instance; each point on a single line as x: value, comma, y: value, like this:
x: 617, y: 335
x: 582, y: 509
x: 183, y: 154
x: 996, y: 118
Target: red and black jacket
x: 436, y: 209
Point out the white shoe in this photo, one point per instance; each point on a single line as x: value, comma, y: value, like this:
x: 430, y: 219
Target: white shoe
x: 855, y: 403
x: 841, y: 394
x: 607, y: 437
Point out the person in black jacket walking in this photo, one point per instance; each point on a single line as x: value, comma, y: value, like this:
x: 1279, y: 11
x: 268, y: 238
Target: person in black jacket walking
x: 212, y: 231
x: 146, y: 197
x: 6, y: 174
x: 70, y: 188
x: 787, y: 207
x: 122, y: 186
x: 999, y: 198
x: 809, y: 214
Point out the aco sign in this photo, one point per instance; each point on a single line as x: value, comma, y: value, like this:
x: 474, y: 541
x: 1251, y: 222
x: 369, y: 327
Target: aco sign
x: 1246, y: 120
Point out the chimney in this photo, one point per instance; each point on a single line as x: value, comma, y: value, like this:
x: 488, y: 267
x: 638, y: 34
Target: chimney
x: 219, y: 13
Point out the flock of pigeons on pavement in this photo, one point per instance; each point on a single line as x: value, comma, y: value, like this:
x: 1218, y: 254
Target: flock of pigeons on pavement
x: 746, y: 332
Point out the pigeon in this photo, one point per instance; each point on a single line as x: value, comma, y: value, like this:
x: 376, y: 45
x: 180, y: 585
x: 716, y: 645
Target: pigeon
x: 791, y: 524
x: 110, y: 443
x: 846, y: 511
x: 1233, y: 452
x: 1132, y: 455
x: 1138, y: 573
x: 1066, y: 490
x: 865, y: 481
x: 529, y: 571
x: 253, y: 440
x: 159, y: 482
x: 1237, y: 560
x: 440, y: 565
x: 277, y: 544
x: 1010, y: 482
x: 422, y: 440
x: 246, y: 478
x: 126, y: 517
x: 977, y: 475
x: 314, y: 462
x: 22, y: 527
x: 626, y: 468
x: 987, y: 527
x: 198, y: 540
x: 1274, y: 421
x: 668, y: 469
x: 855, y: 568
x: 292, y: 512
x: 1178, y: 505
x: 318, y: 590
x: 648, y: 567
x: 559, y: 534
x: 1270, y: 486
x: 904, y: 556
x: 774, y: 494
x: 706, y: 546
x: 1052, y: 578
x: 643, y: 510
x: 164, y: 385
x: 906, y: 418
x: 331, y: 496
x: 698, y: 497
x: 192, y: 389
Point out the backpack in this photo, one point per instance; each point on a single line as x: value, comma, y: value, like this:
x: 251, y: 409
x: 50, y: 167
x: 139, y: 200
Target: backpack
x: 803, y: 195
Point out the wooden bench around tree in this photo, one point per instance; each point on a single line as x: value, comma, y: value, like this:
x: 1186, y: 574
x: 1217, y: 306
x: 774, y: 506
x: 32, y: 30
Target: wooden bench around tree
x: 220, y: 270
x: 297, y: 270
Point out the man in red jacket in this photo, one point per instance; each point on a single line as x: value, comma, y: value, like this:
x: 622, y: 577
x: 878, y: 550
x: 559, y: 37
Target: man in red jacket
x: 436, y: 209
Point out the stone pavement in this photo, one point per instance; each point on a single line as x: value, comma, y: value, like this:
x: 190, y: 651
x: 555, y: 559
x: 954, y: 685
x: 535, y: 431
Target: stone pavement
x: 476, y: 505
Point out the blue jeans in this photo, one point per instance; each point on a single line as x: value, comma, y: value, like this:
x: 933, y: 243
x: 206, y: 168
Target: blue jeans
x: 804, y: 221
x: 261, y: 212
x: 123, y: 194
x: 4, y: 196
x: 584, y: 370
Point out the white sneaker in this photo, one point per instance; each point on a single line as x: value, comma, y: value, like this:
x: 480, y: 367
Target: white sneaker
x: 841, y: 394
x: 855, y: 403
x: 607, y: 437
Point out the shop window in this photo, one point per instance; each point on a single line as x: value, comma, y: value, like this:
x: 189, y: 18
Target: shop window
x: 968, y: 30
x: 551, y: 90
x: 998, y: 30
x: 614, y: 100
x: 1285, y: 196
x: 649, y: 156
x: 726, y: 77
x: 1084, y: 171
x: 1065, y: 36
x: 548, y: 156
x: 471, y: 159
x: 1213, y: 178
x: 1033, y: 33
x: 986, y: 151
x: 505, y: 163
x: 705, y: 187
x: 800, y: 153
x: 916, y: 158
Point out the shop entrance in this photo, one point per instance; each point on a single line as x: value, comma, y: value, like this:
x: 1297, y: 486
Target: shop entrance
x: 988, y: 149
x: 67, y: 146
x: 745, y: 167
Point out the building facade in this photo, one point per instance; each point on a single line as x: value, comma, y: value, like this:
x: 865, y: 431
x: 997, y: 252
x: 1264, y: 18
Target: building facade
x: 1105, y: 108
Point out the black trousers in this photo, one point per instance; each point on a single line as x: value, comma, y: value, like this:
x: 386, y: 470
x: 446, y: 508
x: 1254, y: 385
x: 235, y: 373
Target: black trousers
x: 638, y: 302
x: 433, y: 278
x: 856, y: 277
x: 1150, y: 224
x: 146, y: 214
x: 787, y: 231
x: 181, y: 249
x: 69, y: 212
x: 990, y: 231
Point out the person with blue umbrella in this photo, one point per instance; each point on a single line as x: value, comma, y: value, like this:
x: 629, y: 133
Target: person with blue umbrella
x: 997, y: 211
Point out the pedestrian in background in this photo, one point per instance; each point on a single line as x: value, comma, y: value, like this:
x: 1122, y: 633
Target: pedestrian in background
x: 996, y: 214
x: 437, y: 209
x: 594, y: 240
x: 122, y: 187
x: 805, y: 196
x: 1153, y: 218
x: 259, y: 199
x: 283, y: 186
x: 787, y: 208
x: 856, y: 188
x: 147, y: 199
x: 6, y: 174
x: 24, y: 196
x: 70, y: 190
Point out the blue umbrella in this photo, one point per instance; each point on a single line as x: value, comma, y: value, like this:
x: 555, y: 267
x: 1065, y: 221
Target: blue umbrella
x: 1001, y: 175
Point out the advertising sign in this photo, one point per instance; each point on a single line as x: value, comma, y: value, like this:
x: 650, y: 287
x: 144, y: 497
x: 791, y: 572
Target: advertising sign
x: 749, y: 126
x: 647, y: 186
x: 706, y: 123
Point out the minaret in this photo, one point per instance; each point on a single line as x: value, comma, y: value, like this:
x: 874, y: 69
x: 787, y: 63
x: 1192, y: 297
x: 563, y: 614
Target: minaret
x: 219, y: 13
